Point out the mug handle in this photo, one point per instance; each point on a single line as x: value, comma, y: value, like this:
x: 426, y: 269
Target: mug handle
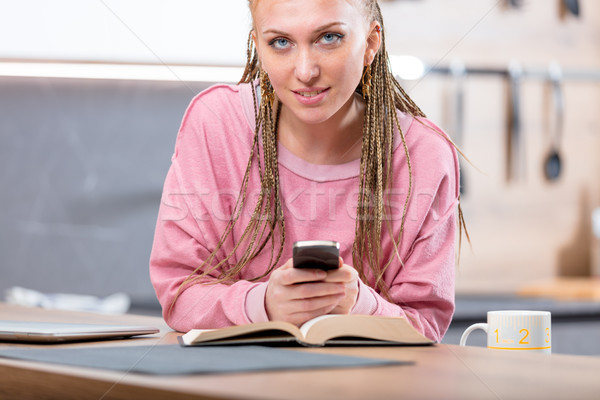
x: 483, y: 326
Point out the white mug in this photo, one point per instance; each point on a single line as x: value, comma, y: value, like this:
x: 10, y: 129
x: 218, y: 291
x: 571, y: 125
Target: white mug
x: 515, y: 330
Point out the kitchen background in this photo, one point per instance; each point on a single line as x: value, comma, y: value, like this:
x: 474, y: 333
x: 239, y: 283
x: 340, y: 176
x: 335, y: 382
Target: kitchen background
x: 92, y: 94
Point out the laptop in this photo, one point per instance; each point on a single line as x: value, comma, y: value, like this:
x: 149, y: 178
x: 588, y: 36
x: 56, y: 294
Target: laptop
x: 56, y: 332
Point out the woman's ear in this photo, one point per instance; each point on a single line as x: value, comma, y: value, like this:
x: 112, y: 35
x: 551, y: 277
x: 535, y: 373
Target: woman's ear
x: 373, y: 42
x: 253, y: 36
x: 255, y: 40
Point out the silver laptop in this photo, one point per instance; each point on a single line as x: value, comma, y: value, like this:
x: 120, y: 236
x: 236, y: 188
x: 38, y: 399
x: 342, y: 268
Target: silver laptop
x: 52, y: 332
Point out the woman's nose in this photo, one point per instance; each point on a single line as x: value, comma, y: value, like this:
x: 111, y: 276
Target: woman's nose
x: 307, y: 67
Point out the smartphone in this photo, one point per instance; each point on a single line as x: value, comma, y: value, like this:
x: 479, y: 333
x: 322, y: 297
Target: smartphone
x: 320, y: 254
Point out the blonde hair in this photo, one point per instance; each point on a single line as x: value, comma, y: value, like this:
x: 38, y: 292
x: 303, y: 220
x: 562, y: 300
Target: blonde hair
x: 386, y: 96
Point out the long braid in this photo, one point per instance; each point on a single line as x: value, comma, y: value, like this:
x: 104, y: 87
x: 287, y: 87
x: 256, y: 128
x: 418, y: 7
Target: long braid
x: 267, y: 217
x: 386, y: 97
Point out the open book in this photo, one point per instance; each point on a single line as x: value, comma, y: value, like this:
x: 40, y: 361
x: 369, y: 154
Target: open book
x: 326, y: 329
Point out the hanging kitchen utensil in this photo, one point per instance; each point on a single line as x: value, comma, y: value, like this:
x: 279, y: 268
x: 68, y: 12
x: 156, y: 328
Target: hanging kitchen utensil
x: 459, y: 72
x: 553, y: 162
x: 515, y: 152
x: 515, y: 3
x: 570, y: 7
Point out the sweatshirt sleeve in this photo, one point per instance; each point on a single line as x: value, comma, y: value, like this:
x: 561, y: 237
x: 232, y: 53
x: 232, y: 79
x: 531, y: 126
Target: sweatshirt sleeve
x: 179, y: 247
x: 421, y: 285
x: 423, y: 291
x: 197, y: 195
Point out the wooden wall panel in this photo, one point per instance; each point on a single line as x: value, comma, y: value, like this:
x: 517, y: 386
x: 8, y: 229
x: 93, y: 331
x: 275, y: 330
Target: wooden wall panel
x: 529, y: 230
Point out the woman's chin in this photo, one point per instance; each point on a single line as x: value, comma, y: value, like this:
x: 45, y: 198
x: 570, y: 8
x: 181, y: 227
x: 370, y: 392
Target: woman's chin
x: 310, y: 116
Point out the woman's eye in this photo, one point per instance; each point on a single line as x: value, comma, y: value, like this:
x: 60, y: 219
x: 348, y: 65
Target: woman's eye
x: 279, y: 43
x: 330, y: 38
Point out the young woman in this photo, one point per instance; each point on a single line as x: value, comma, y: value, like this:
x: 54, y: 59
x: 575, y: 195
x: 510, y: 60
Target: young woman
x: 317, y: 141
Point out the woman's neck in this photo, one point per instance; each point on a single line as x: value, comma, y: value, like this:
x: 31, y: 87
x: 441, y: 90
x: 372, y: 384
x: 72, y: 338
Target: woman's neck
x: 335, y: 141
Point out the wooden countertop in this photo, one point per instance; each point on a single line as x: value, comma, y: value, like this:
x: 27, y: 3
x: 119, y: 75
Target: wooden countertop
x: 438, y: 372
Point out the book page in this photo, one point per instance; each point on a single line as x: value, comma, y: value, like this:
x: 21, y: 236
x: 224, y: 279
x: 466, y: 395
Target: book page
x: 308, y: 324
x: 205, y: 335
x: 386, y: 329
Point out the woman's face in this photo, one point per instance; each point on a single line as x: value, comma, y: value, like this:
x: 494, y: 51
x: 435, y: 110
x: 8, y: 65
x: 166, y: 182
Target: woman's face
x: 314, y: 52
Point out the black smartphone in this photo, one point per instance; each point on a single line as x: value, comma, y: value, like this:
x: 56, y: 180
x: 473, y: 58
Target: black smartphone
x: 320, y: 254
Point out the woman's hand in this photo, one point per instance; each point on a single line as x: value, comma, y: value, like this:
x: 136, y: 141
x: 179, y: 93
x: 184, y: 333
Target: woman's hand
x: 348, y: 276
x: 298, y: 295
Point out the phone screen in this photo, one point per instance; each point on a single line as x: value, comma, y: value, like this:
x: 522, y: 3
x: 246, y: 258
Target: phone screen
x: 320, y: 254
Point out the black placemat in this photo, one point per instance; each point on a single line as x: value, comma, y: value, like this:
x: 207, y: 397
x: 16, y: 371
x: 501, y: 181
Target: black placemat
x: 177, y: 360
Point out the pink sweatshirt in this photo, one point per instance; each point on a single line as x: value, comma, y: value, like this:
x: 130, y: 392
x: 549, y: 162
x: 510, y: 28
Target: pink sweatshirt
x: 319, y: 201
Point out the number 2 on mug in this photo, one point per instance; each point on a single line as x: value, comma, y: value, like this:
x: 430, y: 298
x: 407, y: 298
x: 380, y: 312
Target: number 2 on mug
x: 522, y: 341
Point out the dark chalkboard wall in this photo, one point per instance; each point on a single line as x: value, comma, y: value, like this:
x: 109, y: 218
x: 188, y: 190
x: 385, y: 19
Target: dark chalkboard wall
x: 82, y: 163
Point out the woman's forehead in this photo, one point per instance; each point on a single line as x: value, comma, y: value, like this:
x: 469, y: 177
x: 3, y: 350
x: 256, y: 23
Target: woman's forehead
x: 277, y: 14
x: 254, y: 3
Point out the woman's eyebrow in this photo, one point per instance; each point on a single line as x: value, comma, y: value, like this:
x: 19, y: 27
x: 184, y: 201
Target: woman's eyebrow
x: 319, y: 29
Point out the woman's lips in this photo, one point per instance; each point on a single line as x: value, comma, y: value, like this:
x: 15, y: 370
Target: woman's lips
x: 310, y: 96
